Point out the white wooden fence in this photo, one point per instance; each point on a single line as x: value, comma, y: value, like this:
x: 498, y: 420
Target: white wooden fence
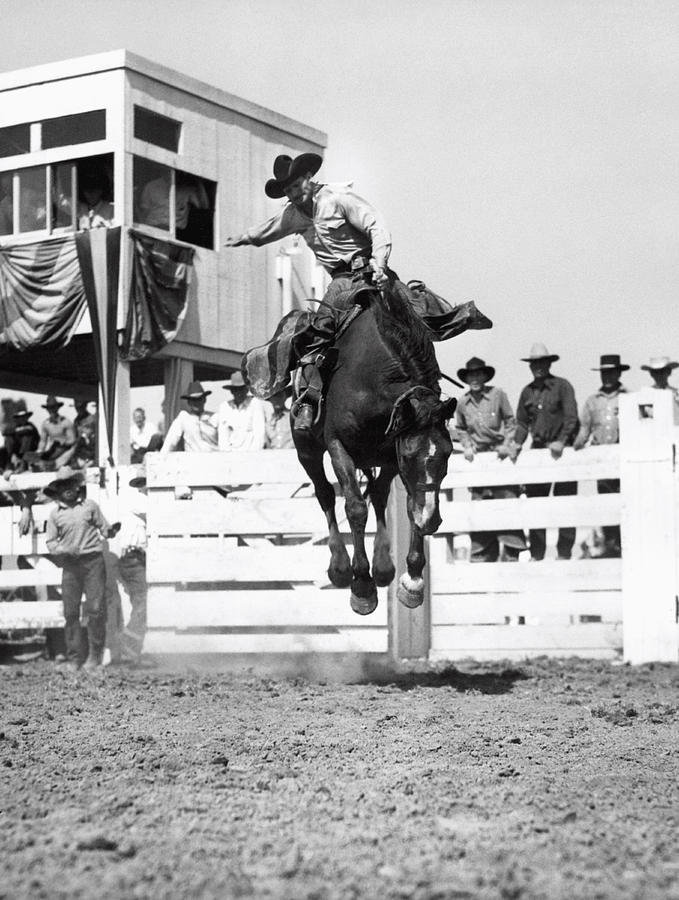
x: 237, y: 557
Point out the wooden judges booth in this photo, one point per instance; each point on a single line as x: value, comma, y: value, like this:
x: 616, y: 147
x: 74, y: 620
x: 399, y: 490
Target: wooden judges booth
x: 174, y: 160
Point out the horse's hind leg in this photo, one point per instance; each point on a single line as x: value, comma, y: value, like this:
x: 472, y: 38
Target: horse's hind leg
x: 363, y: 591
x: 383, y: 566
x: 311, y: 457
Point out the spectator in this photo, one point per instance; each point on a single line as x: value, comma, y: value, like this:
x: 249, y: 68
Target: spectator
x: 547, y: 410
x: 23, y: 441
x: 143, y: 437
x: 278, y: 431
x: 660, y: 368
x: 84, y: 452
x: 241, y: 421
x: 76, y: 530
x: 486, y: 423
x: 194, y: 427
x: 154, y: 206
x: 599, y: 425
x: 57, y: 433
x: 94, y: 211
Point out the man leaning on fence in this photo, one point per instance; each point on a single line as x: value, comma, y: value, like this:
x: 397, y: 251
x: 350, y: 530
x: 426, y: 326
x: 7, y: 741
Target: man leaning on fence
x: 548, y: 412
x: 195, y: 428
x: 599, y: 425
x: 485, y: 423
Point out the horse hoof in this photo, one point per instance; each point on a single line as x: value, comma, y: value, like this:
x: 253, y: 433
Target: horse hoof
x: 384, y: 578
x: 340, y: 578
x: 410, y: 592
x: 363, y: 606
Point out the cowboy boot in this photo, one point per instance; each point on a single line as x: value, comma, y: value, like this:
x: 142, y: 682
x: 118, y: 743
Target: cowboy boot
x: 303, y: 417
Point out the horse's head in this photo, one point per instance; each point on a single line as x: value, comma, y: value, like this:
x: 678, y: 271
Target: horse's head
x: 423, y: 445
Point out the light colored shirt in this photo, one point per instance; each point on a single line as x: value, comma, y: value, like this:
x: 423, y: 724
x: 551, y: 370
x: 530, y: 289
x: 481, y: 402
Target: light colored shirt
x: 278, y: 431
x: 75, y: 530
x: 486, y: 421
x: 241, y: 427
x: 199, y: 433
x: 342, y: 226
x: 60, y: 432
x: 675, y: 394
x: 599, y: 418
x: 141, y: 437
x: 98, y: 216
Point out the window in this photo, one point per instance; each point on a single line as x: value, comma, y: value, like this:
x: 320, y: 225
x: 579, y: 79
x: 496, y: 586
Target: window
x: 80, y: 196
x: 156, y: 129
x: 15, y: 139
x: 77, y: 129
x: 174, y: 201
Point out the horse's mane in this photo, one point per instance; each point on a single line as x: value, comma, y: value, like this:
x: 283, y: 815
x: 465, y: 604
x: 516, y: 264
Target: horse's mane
x: 408, y: 339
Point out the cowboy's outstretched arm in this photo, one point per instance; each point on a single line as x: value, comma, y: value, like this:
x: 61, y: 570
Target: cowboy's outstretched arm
x: 275, y: 228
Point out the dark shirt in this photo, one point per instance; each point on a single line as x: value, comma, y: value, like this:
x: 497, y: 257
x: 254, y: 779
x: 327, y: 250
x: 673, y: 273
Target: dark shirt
x: 74, y: 530
x: 547, y: 410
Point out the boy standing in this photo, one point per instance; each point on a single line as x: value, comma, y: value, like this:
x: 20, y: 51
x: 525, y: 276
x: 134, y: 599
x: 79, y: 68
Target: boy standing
x: 76, y: 530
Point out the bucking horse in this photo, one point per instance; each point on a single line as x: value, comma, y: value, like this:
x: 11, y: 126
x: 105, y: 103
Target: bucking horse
x: 382, y: 409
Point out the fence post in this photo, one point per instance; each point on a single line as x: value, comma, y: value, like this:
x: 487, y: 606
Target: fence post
x: 409, y: 629
x: 649, y: 526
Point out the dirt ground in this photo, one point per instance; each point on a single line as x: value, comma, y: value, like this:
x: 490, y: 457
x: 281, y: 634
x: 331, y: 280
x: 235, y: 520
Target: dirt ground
x: 546, y: 780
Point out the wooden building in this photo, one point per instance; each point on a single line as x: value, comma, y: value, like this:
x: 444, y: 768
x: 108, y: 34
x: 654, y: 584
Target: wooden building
x: 132, y: 123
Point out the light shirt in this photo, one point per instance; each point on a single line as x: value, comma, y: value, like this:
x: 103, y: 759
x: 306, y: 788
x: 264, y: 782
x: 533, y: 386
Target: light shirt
x: 60, y: 432
x: 485, y: 421
x: 132, y: 534
x: 278, y: 431
x: 98, y: 216
x: 599, y: 417
x: 342, y: 226
x: 198, y: 432
x: 140, y: 438
x: 241, y: 427
x: 75, y: 530
x: 675, y: 394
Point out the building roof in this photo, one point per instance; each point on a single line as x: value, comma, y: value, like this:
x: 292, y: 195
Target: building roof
x: 123, y: 59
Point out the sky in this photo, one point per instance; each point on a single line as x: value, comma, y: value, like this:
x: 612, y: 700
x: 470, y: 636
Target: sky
x: 523, y: 152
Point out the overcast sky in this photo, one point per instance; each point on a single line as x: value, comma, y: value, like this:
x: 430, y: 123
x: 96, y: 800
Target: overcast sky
x: 524, y: 152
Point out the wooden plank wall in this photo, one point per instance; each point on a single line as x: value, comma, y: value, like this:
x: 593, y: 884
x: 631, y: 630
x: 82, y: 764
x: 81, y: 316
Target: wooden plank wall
x: 520, y: 609
x: 237, y: 560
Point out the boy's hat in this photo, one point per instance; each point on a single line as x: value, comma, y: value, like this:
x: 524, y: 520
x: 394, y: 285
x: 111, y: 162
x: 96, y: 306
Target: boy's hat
x: 63, y: 476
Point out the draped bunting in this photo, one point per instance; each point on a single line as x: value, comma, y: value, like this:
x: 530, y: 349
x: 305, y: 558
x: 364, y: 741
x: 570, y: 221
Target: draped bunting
x: 42, y: 298
x: 161, y: 273
x: 99, y: 256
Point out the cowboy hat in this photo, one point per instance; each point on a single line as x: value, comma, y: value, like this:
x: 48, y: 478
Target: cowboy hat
x: 194, y: 391
x: 63, y: 476
x: 51, y: 402
x: 139, y: 480
x: 236, y: 381
x: 539, y: 351
x: 22, y: 412
x: 475, y: 365
x: 656, y: 363
x: 286, y: 170
x: 610, y: 361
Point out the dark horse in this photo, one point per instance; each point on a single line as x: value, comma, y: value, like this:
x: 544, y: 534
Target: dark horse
x: 382, y: 408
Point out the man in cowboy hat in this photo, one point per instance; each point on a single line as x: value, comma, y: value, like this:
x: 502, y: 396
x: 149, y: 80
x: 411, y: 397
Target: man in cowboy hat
x: 660, y: 368
x: 548, y: 412
x: 22, y: 441
x: 194, y: 426
x: 76, y: 530
x: 57, y: 433
x: 599, y: 425
x: 241, y: 420
x: 350, y: 239
x: 485, y: 423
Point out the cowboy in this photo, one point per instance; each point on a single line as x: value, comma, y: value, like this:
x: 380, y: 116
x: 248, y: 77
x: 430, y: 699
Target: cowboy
x: 660, y: 368
x: 548, y: 412
x: 195, y: 427
x: 76, y: 530
x: 241, y: 420
x: 22, y: 441
x: 350, y: 239
x: 599, y: 425
x: 278, y: 431
x: 485, y: 423
x: 57, y: 433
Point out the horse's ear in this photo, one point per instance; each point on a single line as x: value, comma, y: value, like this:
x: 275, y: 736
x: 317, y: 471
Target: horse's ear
x: 448, y: 408
x: 401, y: 417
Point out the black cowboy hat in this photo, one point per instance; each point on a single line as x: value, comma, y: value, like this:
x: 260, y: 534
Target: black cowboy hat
x: 610, y: 361
x: 194, y: 391
x: 26, y: 413
x: 51, y: 402
x: 64, y: 475
x: 286, y: 170
x: 475, y: 365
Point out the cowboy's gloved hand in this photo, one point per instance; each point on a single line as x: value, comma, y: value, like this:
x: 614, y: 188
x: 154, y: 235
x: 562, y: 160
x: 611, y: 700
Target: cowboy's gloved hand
x: 469, y: 454
x: 556, y: 449
x: 239, y: 241
x: 380, y: 277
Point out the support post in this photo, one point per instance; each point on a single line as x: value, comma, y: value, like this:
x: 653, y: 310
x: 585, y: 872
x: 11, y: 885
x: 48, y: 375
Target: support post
x: 409, y: 629
x: 649, y: 526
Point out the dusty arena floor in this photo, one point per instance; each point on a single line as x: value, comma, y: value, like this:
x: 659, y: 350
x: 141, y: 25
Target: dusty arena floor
x: 549, y: 780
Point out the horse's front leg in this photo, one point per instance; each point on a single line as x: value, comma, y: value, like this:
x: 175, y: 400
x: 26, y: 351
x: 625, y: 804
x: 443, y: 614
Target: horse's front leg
x: 383, y: 566
x: 410, y: 590
x: 363, y: 591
